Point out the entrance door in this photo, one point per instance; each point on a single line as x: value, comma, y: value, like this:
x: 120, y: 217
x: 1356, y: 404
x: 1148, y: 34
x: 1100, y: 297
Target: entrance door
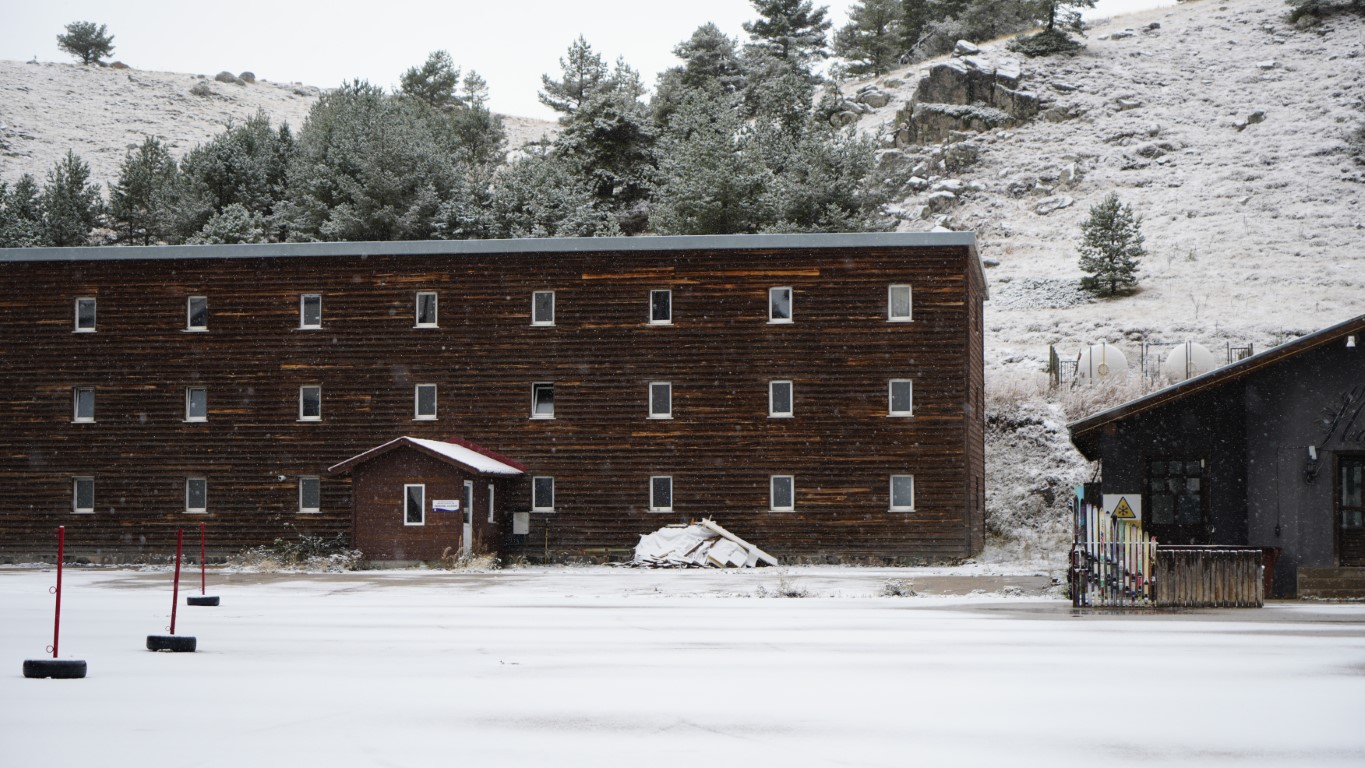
x: 467, y: 506
x: 1351, y: 511
x: 1177, y: 501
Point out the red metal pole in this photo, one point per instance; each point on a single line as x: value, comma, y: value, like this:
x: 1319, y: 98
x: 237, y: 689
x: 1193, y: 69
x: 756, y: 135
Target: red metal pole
x: 175, y: 593
x: 202, y: 537
x: 57, y: 620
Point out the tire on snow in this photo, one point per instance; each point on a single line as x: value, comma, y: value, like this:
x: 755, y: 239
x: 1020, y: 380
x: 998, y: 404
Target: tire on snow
x: 172, y: 643
x: 202, y: 600
x: 62, y: 669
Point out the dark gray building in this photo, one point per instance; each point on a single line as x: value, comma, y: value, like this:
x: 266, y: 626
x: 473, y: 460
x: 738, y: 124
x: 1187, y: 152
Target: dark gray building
x: 1267, y: 452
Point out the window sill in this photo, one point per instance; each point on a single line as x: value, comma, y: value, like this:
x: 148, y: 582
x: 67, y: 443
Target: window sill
x: 310, y: 511
x: 82, y: 511
x: 309, y: 328
x: 424, y: 418
x: 781, y: 416
x: 660, y: 322
x: 543, y: 511
x: 654, y: 511
x: 542, y: 418
x: 899, y: 320
x: 426, y: 325
x: 82, y: 421
x: 196, y: 421
x: 310, y: 421
x: 783, y: 509
x: 195, y: 330
x: 406, y: 524
x: 196, y: 511
x: 542, y: 325
x: 901, y: 509
x: 779, y: 322
x: 900, y: 415
x: 84, y: 330
x: 661, y: 418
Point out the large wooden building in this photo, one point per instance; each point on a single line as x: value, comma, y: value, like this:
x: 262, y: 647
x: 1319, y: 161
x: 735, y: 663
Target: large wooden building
x: 820, y: 395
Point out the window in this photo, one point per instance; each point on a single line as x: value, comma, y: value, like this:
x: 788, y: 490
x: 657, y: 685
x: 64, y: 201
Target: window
x: 83, y: 404
x: 414, y: 505
x: 310, y: 403
x: 543, y: 308
x: 660, y: 400
x: 196, y: 404
x: 781, y: 493
x: 310, y: 494
x: 661, y: 307
x: 779, y: 305
x: 902, y: 493
x: 542, y: 400
x: 467, y: 507
x: 197, y: 313
x: 661, y: 493
x: 1175, y: 493
x: 83, y: 495
x: 85, y: 315
x: 490, y: 504
x: 542, y: 494
x: 196, y: 495
x: 779, y: 399
x: 310, y: 310
x: 425, y: 401
x: 426, y: 309
x: 901, y: 398
x: 898, y: 304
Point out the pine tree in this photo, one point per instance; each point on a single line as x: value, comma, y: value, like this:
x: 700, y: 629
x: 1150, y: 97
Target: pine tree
x: 1110, y: 248
x: 71, y: 203
x: 87, y: 42
x: 871, y: 40
x: 246, y: 165
x: 581, y: 73
x: 710, y: 56
x: 791, y: 31
x: 538, y: 195
x: 434, y: 82
x: 21, y: 215
x: 142, y: 202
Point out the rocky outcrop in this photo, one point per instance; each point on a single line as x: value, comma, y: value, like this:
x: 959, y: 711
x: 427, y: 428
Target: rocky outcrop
x: 969, y: 92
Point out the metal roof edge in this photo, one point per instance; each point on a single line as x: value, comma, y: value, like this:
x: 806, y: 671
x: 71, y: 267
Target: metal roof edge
x: 521, y: 245
x: 1217, y: 376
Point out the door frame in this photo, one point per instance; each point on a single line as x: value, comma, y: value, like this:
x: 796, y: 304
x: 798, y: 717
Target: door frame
x: 1338, y: 531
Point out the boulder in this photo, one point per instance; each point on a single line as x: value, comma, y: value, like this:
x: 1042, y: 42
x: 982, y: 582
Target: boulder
x: 118, y: 65
x: 940, y: 201
x: 965, y: 48
x: 227, y: 77
x: 874, y: 97
x: 247, y: 77
x: 841, y: 119
x: 1050, y: 204
x: 1125, y: 103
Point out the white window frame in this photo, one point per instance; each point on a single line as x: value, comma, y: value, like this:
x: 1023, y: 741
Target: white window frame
x: 537, y: 503
x: 76, y: 416
x: 434, y: 322
x: 891, y: 398
x: 891, y: 316
x: 304, y: 508
x: 304, y: 325
x: 654, y: 506
x: 467, y: 503
x: 189, y: 404
x: 76, y: 507
x: 189, y: 314
x: 668, y: 319
x: 491, y: 508
x: 536, y: 388
x: 667, y: 388
x: 94, y: 314
x: 417, y: 414
x: 536, y: 319
x: 421, y: 504
x: 773, y: 297
x: 773, y: 386
x: 318, y: 415
x: 191, y: 510
x: 891, y: 490
x: 773, y: 480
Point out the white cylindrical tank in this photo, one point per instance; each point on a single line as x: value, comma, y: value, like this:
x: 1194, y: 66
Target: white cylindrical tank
x: 1102, y: 362
x: 1187, y: 360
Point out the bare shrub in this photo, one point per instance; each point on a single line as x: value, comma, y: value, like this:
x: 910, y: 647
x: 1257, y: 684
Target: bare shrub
x: 898, y: 588
x: 307, y: 553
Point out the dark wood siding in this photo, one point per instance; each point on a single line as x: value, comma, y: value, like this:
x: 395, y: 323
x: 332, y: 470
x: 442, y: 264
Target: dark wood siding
x: 719, y: 353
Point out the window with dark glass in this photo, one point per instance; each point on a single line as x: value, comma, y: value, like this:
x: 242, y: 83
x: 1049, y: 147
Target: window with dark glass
x: 425, y: 401
x: 196, y: 494
x: 542, y: 494
x: 543, y: 400
x: 661, y: 307
x: 85, y: 315
x: 196, y: 404
x: 779, y: 398
x: 426, y: 309
x: 310, y: 403
x: 660, y: 400
x: 1175, y: 492
x: 900, y: 394
x: 310, y: 494
x: 779, y: 305
x: 782, y: 492
x: 414, y: 504
x: 310, y: 310
x: 543, y: 308
x: 661, y: 493
x: 197, y: 313
x: 83, y: 404
x: 83, y: 495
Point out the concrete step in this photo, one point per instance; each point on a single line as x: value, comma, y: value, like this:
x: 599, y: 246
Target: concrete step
x: 1332, y: 583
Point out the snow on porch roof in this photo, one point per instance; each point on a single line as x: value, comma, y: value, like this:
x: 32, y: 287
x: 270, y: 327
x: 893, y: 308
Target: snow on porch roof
x: 456, y: 451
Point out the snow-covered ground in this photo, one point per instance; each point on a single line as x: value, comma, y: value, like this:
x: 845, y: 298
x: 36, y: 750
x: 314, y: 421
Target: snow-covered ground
x: 596, y: 666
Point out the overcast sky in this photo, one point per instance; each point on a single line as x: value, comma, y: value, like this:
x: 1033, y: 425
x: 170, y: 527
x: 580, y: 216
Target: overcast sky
x: 511, y: 43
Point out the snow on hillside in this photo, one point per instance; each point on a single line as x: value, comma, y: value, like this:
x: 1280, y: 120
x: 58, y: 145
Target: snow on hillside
x: 102, y: 112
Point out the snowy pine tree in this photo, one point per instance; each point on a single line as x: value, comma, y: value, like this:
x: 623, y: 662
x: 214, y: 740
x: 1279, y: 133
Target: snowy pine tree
x: 71, y: 203
x: 871, y: 41
x: 21, y: 214
x: 1111, y: 246
x: 142, y: 204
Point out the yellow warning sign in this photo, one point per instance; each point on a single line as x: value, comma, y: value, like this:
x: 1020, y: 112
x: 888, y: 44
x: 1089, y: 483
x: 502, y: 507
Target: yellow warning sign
x: 1124, y: 511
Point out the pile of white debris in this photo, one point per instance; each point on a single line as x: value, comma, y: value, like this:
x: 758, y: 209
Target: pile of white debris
x: 699, y: 545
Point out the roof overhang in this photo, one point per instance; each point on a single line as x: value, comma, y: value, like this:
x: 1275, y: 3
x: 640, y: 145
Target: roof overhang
x: 456, y: 452
x: 1085, y: 433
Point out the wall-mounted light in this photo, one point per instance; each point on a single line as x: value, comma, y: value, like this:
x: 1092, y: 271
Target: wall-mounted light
x: 1312, y: 453
x: 1351, y: 342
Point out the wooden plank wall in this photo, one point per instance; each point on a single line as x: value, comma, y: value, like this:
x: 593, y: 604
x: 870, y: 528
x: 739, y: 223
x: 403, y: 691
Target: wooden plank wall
x: 719, y: 353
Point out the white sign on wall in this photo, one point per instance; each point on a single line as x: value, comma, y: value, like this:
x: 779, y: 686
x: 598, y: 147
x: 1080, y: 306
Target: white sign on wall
x: 445, y: 505
x: 1124, y: 506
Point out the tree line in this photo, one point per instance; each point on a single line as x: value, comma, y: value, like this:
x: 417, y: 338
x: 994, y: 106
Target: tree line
x: 734, y: 139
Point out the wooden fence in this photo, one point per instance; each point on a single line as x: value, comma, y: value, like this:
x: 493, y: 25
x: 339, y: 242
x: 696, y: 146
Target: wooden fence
x: 1209, y: 577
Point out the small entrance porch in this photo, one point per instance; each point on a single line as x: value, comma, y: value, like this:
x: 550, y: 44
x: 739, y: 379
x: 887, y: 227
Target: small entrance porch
x: 416, y: 500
